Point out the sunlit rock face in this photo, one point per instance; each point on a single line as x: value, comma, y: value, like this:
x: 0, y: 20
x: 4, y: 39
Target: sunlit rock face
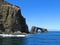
x: 11, y: 19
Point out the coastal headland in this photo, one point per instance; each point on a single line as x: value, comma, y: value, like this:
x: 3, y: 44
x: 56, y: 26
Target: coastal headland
x: 12, y: 21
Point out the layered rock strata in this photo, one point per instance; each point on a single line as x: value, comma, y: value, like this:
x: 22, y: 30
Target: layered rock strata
x: 11, y: 19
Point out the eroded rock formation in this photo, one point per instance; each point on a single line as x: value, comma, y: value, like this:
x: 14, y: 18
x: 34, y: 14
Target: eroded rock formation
x: 35, y: 29
x: 11, y: 19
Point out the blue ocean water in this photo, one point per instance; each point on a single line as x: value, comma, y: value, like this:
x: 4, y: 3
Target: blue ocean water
x: 49, y: 38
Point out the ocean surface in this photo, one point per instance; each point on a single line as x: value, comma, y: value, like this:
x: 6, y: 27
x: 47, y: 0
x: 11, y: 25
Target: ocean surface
x: 49, y: 38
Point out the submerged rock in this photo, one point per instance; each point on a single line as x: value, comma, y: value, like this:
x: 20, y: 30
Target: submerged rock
x: 11, y: 19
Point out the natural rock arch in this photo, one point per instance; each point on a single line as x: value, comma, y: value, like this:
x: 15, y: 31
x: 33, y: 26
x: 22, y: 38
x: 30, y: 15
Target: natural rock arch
x: 35, y: 29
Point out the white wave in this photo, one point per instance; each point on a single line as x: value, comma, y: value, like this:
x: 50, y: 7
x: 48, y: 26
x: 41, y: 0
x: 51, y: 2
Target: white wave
x: 11, y: 35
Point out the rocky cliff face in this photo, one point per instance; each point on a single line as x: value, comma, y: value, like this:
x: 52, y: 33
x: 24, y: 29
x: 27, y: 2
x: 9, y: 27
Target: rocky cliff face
x: 11, y: 19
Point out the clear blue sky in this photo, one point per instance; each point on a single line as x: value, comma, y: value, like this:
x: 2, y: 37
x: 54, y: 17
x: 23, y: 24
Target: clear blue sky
x: 41, y: 13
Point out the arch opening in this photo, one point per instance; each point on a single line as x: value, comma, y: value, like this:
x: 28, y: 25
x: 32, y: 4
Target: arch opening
x: 38, y: 31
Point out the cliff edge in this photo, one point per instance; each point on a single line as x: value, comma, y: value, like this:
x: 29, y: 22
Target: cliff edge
x: 11, y: 19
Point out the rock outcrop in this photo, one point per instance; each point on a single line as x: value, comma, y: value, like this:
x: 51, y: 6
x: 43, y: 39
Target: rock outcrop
x: 11, y: 19
x: 35, y: 29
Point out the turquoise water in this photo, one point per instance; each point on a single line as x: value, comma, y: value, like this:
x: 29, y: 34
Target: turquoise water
x: 49, y: 38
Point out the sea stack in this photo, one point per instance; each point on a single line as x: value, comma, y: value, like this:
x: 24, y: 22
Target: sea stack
x: 35, y: 29
x: 11, y: 19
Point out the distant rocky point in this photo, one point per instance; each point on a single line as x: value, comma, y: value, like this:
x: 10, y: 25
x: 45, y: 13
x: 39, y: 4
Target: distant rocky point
x: 35, y: 29
x: 12, y: 21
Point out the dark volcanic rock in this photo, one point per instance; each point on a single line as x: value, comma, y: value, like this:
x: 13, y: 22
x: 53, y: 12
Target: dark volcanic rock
x: 11, y: 19
x: 35, y: 29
